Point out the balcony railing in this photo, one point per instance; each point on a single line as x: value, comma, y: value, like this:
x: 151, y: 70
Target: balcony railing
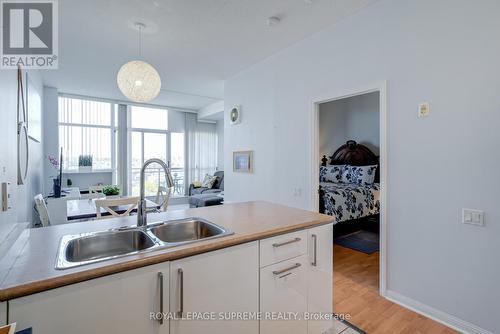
x: 155, y: 177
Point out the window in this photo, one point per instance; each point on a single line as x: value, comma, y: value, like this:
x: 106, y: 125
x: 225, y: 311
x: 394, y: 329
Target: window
x: 148, y: 118
x: 86, y: 127
x: 149, y: 138
x: 93, y: 127
x: 202, y: 148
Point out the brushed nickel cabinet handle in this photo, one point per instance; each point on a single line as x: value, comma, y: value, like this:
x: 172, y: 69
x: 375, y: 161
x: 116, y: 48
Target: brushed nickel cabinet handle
x: 283, y: 276
x: 276, y: 245
x: 160, y: 278
x: 315, y: 250
x: 279, y: 272
x: 181, y: 292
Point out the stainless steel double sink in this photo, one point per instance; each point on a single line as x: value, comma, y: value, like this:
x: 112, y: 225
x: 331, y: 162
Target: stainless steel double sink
x: 86, y: 248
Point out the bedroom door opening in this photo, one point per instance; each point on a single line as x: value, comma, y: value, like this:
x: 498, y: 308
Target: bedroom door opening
x: 349, y: 182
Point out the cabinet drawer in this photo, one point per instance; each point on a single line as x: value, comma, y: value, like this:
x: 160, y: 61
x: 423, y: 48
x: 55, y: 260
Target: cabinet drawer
x: 283, y: 288
x: 282, y: 247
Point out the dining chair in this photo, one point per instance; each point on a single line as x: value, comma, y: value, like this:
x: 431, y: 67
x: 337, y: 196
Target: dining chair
x: 162, y: 197
x: 41, y: 208
x: 110, y: 205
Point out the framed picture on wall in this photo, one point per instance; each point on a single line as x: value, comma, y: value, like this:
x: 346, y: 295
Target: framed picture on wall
x: 243, y: 161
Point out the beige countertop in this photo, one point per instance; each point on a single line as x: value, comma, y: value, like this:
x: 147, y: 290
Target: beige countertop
x: 31, y: 260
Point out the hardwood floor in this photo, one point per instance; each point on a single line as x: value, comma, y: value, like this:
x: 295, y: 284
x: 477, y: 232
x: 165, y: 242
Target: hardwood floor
x: 355, y: 290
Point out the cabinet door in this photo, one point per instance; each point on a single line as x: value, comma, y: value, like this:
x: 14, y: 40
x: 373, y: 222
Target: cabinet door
x: 320, y: 276
x: 225, y: 280
x: 3, y: 314
x: 283, y: 290
x: 119, y: 303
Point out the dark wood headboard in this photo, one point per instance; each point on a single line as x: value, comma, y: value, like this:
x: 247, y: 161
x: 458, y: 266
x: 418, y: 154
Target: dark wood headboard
x: 352, y: 153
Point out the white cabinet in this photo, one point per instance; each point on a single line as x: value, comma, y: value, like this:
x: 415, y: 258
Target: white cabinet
x: 289, y: 273
x: 225, y: 280
x: 295, y: 279
x: 119, y: 303
x: 3, y: 313
x: 283, y: 289
x: 320, y: 291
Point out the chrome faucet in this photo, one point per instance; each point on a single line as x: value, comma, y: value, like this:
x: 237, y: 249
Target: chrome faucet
x: 142, y: 218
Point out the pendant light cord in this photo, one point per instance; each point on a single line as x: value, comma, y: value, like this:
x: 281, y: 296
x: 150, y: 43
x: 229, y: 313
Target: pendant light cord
x: 140, y: 41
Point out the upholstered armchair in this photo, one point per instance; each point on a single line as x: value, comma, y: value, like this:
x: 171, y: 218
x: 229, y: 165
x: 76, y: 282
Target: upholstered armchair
x: 217, y: 187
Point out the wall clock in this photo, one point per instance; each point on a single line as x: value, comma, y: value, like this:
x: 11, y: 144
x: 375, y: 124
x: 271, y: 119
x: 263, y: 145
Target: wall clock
x: 235, y: 115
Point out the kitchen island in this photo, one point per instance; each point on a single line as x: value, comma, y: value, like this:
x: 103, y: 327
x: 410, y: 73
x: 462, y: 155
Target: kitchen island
x: 278, y: 259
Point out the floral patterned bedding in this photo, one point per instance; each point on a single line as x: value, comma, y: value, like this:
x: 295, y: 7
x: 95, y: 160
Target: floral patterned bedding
x: 347, y: 201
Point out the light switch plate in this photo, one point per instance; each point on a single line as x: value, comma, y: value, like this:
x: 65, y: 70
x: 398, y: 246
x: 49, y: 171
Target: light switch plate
x: 473, y: 217
x: 423, y: 110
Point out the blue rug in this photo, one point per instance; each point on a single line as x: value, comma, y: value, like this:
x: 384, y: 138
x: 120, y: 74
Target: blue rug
x: 361, y: 241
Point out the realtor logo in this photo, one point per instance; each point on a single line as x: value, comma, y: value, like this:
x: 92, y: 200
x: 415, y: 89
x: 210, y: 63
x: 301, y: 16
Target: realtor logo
x: 29, y: 34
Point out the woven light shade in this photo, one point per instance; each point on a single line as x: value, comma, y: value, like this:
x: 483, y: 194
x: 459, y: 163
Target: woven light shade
x: 139, y: 81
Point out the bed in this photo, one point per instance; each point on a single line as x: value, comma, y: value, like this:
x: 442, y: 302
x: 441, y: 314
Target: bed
x: 350, y: 201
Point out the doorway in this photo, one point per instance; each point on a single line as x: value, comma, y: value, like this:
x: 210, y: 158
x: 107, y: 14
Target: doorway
x: 365, y: 268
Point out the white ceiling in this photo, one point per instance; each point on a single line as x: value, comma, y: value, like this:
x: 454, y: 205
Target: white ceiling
x: 194, y: 44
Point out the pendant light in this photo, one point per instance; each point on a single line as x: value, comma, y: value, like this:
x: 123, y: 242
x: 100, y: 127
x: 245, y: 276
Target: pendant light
x: 138, y: 80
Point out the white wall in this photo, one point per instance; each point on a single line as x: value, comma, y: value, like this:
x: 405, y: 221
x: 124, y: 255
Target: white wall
x: 22, y: 196
x: 84, y: 180
x: 176, y: 121
x: 51, y: 138
x: 354, y: 118
x: 211, y: 111
x: 220, y: 144
x: 444, y: 52
x: 35, y: 181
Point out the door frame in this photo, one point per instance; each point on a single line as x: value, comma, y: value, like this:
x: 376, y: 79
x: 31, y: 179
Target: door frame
x: 380, y: 87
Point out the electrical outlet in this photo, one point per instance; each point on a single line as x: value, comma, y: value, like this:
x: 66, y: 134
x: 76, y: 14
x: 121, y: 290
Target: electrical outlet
x: 473, y: 217
x: 423, y: 110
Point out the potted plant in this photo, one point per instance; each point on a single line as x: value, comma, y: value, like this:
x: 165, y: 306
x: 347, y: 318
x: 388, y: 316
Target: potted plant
x: 85, y: 162
x: 111, y: 191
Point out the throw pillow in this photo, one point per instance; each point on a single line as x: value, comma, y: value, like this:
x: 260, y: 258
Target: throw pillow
x: 209, y: 181
x: 363, y: 175
x: 197, y: 184
x: 331, y: 173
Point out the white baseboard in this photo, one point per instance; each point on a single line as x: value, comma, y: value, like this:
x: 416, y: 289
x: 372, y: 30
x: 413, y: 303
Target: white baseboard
x: 446, y: 319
